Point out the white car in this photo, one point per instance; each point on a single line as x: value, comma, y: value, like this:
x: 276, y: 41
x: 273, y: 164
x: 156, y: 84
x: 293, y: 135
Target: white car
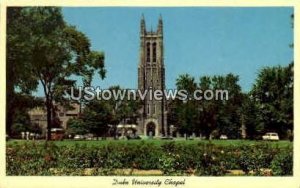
x: 270, y: 136
x: 78, y: 137
x: 223, y: 137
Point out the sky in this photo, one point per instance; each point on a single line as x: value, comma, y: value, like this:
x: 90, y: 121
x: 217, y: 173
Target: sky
x: 197, y: 40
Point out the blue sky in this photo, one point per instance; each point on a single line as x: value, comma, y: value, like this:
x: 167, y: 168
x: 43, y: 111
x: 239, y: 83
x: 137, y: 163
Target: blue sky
x: 198, y: 40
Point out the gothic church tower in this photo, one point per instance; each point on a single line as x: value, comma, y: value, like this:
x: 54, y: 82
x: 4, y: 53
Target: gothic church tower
x: 151, y: 76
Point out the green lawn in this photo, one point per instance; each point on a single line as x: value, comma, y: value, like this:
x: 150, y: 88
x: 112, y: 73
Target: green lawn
x: 282, y: 143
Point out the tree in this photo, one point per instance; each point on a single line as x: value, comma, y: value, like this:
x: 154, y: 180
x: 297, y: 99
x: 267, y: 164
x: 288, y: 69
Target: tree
x: 186, y: 110
x: 20, y: 124
x: 205, y: 116
x: 21, y: 121
x: 96, y: 116
x: 273, y: 96
x: 273, y: 93
x: 207, y: 109
x: 20, y: 81
x: 101, y: 117
x: 229, y: 116
x: 76, y: 126
x: 57, y: 52
x: 253, y: 124
x: 220, y: 115
x: 122, y: 110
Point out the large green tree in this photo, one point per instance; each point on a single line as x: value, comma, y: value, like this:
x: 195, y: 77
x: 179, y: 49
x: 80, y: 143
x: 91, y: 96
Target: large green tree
x: 96, y: 117
x: 186, y: 110
x: 21, y: 120
x: 207, y: 109
x: 57, y: 53
x: 273, y: 93
x: 19, y: 80
x: 205, y: 116
x: 250, y: 118
x: 76, y: 126
x: 269, y: 106
x: 222, y: 115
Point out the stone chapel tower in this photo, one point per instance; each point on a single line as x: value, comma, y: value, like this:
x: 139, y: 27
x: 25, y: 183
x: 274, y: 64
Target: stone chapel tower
x: 151, y: 76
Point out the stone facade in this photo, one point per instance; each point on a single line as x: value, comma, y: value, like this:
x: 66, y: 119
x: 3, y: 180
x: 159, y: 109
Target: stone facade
x: 151, y: 76
x: 38, y: 116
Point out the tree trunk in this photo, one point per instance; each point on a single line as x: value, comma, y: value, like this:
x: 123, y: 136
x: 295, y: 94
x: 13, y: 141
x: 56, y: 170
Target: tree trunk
x: 115, y: 132
x: 9, y: 120
x: 207, y: 134
x: 48, y: 106
x: 10, y: 107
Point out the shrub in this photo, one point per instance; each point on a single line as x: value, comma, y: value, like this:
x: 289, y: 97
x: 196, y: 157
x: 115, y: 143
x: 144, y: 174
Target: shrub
x: 256, y: 157
x: 282, y: 164
x: 210, y: 163
x: 171, y: 158
x: 146, y: 156
x: 29, y: 159
x: 168, y: 164
x: 183, y: 155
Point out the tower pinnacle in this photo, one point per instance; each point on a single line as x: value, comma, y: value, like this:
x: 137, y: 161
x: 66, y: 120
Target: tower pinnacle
x: 160, y: 25
x: 143, y: 25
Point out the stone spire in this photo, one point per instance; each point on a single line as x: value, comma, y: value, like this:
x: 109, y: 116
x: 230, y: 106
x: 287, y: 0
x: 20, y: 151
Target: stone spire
x: 160, y: 26
x: 143, y: 25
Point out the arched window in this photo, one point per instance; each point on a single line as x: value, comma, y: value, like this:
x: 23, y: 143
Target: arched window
x: 154, y: 52
x: 148, y: 52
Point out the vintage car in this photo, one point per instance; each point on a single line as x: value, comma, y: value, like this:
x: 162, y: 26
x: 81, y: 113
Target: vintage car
x: 223, y: 137
x: 270, y: 136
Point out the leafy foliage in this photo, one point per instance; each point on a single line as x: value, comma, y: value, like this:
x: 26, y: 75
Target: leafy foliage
x: 51, y: 52
x: 76, y: 126
x: 281, y: 164
x: 171, y: 158
x: 205, y: 116
x: 273, y: 96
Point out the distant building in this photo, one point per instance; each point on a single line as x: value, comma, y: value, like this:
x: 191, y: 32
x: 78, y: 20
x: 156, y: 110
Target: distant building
x: 39, y: 116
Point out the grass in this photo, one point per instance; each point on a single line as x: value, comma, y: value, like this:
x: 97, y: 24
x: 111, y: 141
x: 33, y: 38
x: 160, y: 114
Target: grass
x: 282, y: 143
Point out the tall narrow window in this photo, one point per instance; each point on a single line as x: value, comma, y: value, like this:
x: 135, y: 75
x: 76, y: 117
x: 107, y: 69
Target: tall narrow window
x: 148, y: 109
x: 148, y: 52
x: 154, y: 52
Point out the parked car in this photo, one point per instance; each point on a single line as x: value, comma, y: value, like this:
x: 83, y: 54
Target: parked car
x: 223, y: 137
x: 270, y: 136
x: 78, y: 137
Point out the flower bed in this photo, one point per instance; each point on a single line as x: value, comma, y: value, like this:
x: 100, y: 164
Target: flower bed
x: 170, y: 158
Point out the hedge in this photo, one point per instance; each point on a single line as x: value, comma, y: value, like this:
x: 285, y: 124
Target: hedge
x: 171, y: 158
